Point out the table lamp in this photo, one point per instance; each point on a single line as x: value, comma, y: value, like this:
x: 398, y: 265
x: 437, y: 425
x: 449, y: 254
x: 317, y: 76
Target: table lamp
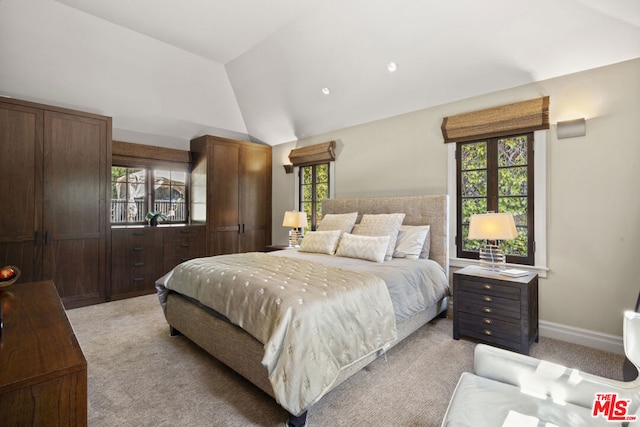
x: 296, y: 220
x: 492, y: 227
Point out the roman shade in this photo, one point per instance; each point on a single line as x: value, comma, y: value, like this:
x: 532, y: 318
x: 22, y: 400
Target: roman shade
x: 313, y: 154
x: 136, y: 155
x: 525, y: 116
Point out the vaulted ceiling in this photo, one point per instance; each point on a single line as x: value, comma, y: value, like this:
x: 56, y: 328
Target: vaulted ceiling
x: 279, y: 55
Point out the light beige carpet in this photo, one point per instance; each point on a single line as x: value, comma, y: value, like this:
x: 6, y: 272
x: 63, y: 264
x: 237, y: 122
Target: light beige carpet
x: 141, y: 376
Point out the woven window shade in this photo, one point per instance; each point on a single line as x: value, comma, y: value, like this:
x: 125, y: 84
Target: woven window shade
x: 525, y: 116
x: 313, y: 154
x: 138, y: 155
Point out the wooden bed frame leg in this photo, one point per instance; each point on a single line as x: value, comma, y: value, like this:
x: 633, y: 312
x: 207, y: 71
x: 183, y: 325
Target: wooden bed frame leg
x: 299, y: 421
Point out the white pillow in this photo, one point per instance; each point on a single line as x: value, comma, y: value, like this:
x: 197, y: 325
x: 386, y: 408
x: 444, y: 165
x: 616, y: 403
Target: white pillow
x: 342, y: 222
x: 323, y: 242
x: 424, y: 254
x: 371, y: 248
x: 382, y: 225
x: 411, y: 241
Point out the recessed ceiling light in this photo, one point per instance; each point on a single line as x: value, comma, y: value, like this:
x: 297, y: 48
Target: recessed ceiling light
x: 392, y: 66
x: 326, y: 90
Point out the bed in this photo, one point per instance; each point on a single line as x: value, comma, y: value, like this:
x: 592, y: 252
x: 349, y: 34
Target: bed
x: 352, y: 310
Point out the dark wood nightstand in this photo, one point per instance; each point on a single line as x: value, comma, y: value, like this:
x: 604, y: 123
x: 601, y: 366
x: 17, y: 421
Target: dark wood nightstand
x: 495, y: 309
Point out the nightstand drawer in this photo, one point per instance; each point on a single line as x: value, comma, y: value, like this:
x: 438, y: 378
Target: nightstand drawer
x: 488, y: 288
x: 488, y: 328
x: 488, y: 305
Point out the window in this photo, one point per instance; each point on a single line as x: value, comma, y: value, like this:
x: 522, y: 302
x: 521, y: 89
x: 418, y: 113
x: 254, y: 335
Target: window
x: 314, y: 188
x: 496, y: 174
x: 135, y: 191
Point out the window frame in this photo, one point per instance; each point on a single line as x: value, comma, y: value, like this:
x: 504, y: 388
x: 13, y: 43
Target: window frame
x: 150, y: 201
x: 493, y: 197
x: 313, y: 222
x: 540, y: 216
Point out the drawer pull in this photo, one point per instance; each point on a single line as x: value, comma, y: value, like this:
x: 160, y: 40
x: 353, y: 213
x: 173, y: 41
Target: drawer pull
x: 138, y: 279
x: 486, y: 286
x: 138, y: 264
x: 138, y: 233
x: 487, y: 310
x: 139, y: 249
x: 487, y: 321
x: 487, y: 299
x: 185, y: 231
x: 185, y: 245
x: 487, y: 332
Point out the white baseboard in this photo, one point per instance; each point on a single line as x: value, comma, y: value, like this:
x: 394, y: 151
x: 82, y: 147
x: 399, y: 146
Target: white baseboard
x: 585, y: 337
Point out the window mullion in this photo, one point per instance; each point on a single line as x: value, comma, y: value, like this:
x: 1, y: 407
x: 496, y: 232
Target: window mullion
x: 149, y: 188
x: 492, y: 175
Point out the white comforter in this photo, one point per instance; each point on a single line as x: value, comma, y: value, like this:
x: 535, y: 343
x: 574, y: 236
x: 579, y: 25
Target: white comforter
x: 314, y: 320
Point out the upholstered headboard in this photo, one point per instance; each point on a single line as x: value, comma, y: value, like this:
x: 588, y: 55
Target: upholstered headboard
x: 419, y: 210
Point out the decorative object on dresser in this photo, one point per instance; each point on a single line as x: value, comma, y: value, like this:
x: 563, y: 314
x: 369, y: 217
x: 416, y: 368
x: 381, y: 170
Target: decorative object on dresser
x: 43, y: 373
x: 296, y: 220
x: 492, y: 227
x: 9, y: 274
x: 152, y: 218
x: 231, y: 193
x: 496, y: 309
x: 57, y: 175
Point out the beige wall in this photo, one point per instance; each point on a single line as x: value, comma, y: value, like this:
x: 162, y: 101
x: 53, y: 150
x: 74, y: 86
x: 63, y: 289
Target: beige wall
x: 593, y: 203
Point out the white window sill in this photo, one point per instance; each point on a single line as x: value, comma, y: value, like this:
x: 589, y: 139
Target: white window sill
x: 463, y: 262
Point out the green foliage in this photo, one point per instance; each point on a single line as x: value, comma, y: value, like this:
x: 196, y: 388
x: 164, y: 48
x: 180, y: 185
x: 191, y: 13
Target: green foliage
x: 314, y: 188
x: 511, y: 191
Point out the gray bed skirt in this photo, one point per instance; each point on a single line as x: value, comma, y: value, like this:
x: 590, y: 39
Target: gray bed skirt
x: 243, y: 353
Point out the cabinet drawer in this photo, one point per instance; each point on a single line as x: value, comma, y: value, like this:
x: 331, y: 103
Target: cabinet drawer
x: 136, y: 237
x: 489, y: 329
x: 184, y: 249
x: 488, y: 305
x: 489, y: 288
x: 184, y: 234
x: 135, y: 255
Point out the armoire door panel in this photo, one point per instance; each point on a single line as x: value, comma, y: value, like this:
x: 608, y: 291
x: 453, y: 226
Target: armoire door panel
x: 224, y: 186
x: 77, y: 277
x: 223, y: 242
x: 73, y: 212
x: 255, y: 197
x: 21, y: 189
x: 255, y: 179
x: 74, y: 188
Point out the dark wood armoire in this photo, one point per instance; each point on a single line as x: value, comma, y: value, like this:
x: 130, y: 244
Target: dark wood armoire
x: 231, y: 193
x: 54, y: 187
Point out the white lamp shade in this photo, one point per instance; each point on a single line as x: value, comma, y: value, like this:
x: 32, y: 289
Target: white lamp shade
x: 492, y: 226
x: 294, y: 219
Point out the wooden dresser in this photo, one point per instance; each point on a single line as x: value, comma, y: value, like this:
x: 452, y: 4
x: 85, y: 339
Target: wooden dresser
x: 43, y: 373
x: 496, y: 309
x: 141, y: 255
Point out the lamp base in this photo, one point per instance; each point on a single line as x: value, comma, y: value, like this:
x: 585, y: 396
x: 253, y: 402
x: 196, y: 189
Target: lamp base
x: 294, y: 238
x: 492, y: 258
